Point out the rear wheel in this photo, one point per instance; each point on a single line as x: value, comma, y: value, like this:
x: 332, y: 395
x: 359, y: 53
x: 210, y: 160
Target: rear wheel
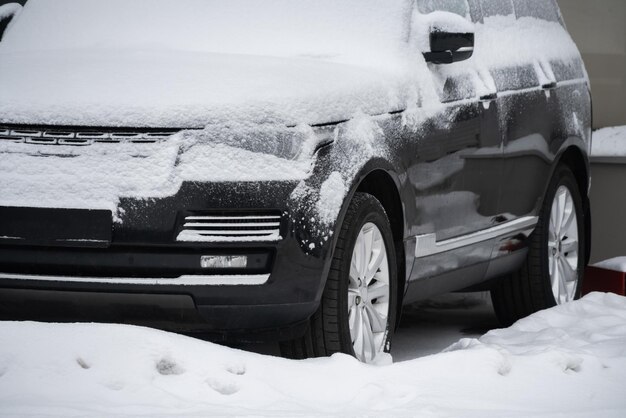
x: 358, y: 308
x: 553, y: 272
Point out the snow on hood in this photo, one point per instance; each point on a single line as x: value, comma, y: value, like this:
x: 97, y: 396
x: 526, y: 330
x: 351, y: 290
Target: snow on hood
x: 187, y: 89
x: 568, y: 361
x: 96, y: 62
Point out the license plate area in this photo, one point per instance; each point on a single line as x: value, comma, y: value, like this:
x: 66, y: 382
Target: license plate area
x: 55, y: 227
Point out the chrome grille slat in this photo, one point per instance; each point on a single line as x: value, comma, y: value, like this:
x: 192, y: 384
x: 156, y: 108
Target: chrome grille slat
x: 81, y: 137
x: 26, y: 132
x: 230, y: 228
x: 233, y: 232
x: 222, y: 225
x: 223, y: 218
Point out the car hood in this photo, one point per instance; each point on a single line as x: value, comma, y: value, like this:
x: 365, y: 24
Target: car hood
x: 189, y: 89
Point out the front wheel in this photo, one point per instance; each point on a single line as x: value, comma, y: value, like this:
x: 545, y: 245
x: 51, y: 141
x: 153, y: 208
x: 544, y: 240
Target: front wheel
x: 358, y: 308
x: 553, y: 272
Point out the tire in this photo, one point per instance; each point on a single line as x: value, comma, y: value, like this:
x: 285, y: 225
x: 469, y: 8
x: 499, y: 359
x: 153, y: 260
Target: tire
x: 537, y: 285
x: 343, y: 301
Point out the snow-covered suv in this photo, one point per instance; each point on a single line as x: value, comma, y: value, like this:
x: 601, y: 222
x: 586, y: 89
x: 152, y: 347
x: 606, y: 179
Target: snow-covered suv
x: 292, y: 168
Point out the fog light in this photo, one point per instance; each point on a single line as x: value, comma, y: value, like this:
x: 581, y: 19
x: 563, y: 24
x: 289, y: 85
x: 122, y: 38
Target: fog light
x: 223, y: 261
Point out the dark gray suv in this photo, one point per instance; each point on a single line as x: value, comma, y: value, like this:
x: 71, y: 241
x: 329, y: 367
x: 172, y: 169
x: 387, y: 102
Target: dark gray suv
x: 299, y: 170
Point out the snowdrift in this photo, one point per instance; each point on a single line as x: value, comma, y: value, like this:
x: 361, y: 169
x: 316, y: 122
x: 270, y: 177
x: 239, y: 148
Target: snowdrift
x: 567, y: 361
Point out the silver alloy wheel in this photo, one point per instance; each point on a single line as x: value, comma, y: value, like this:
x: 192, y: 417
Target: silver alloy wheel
x: 368, y: 293
x: 563, y: 247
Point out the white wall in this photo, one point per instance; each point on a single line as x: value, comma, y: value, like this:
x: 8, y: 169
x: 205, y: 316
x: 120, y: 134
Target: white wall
x: 599, y: 29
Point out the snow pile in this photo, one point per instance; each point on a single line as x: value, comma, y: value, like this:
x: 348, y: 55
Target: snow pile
x: 615, y: 264
x: 567, y: 361
x: 609, y: 142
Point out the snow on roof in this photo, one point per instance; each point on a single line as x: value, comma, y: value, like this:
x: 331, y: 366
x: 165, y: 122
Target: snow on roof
x: 112, y: 63
x: 566, y: 361
x: 348, y: 31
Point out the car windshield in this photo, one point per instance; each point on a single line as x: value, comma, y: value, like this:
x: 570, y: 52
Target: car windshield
x: 352, y: 31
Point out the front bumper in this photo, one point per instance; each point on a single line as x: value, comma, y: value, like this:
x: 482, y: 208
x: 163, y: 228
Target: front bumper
x: 146, y: 275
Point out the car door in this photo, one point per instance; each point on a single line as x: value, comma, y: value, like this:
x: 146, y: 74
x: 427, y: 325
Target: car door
x: 456, y: 174
x: 537, y: 109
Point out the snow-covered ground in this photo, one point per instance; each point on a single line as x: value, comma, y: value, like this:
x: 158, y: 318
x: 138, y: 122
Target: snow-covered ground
x: 609, y: 142
x: 568, y: 361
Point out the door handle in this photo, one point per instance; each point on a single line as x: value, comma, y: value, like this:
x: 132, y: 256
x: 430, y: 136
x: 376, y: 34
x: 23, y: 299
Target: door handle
x: 549, y: 86
x: 489, y: 97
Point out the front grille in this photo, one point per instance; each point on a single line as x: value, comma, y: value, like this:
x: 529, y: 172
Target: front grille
x: 81, y: 136
x: 231, y: 228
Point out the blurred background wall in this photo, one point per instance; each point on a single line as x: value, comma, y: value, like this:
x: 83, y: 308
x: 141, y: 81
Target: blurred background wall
x: 599, y: 29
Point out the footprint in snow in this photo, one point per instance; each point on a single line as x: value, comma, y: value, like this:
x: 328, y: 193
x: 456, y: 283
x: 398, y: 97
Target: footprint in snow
x: 167, y: 367
x: 116, y: 385
x: 237, y: 369
x: 223, y: 387
x: 83, y: 364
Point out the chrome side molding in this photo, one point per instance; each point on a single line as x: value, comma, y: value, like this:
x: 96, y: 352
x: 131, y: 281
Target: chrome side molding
x: 427, y: 244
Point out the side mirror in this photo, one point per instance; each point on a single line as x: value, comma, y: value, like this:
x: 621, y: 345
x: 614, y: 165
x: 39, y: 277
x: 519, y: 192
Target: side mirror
x: 449, y: 47
x: 8, y: 12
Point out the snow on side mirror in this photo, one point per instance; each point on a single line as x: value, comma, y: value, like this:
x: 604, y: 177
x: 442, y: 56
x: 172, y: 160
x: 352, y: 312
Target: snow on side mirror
x: 8, y: 12
x: 451, y: 38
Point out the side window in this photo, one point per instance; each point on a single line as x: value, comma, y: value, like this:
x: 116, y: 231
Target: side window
x: 460, y: 7
x: 565, y: 71
x: 458, y: 87
x: 515, y: 78
x: 540, y: 9
x: 497, y: 8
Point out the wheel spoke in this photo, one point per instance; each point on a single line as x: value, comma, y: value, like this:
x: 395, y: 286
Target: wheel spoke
x: 352, y: 318
x: 366, y: 252
x: 552, y: 229
x: 370, y: 341
x: 569, y: 274
x: 560, y: 203
x: 357, y: 336
x: 377, y: 320
x: 554, y: 277
x: 377, y: 260
x: 378, y: 290
x: 562, y: 282
x: 569, y: 219
x: 354, y: 271
x: 569, y: 246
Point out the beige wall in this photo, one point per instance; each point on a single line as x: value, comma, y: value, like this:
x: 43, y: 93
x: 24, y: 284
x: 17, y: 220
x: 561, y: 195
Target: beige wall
x: 599, y: 29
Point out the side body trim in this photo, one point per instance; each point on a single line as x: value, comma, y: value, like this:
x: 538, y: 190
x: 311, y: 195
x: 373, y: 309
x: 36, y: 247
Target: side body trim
x: 426, y: 245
